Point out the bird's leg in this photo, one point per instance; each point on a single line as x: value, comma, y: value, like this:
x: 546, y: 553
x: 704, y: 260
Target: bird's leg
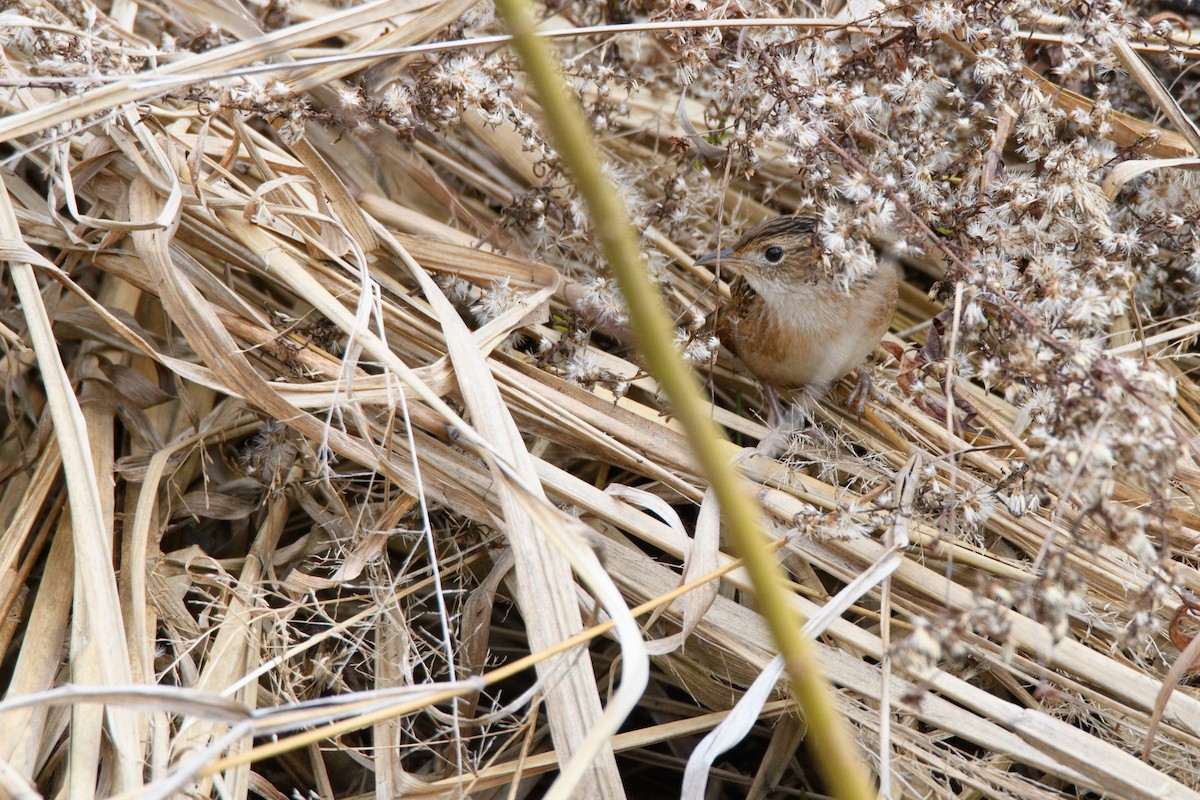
x: 774, y: 444
x: 776, y: 411
x: 861, y: 391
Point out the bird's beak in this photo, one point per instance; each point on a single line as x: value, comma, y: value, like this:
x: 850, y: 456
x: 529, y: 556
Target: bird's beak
x: 724, y: 256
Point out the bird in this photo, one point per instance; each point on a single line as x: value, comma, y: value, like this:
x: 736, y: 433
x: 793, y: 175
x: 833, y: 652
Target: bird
x: 788, y: 321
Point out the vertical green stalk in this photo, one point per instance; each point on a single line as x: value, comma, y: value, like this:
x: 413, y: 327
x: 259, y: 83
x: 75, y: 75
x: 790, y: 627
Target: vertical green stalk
x: 828, y: 738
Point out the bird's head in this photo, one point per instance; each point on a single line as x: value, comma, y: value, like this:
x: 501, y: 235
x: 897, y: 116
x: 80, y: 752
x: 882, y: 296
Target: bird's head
x: 785, y: 249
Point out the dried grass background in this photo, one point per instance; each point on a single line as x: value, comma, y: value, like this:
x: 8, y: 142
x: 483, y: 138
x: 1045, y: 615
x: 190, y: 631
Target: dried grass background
x: 317, y: 396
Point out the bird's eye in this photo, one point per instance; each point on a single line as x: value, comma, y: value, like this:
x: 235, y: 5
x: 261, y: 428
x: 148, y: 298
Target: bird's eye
x: 774, y: 254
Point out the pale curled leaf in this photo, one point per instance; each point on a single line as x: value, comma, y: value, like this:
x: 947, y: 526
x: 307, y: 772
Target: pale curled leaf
x: 700, y: 556
x: 1126, y: 171
x: 702, y: 559
x: 659, y: 507
x: 708, y: 153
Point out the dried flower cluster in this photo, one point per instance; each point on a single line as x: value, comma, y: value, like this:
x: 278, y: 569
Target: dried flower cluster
x: 929, y: 150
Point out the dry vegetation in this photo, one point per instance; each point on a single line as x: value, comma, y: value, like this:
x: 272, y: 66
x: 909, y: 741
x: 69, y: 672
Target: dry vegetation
x: 323, y: 430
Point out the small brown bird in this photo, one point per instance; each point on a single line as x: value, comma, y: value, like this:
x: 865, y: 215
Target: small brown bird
x: 788, y: 322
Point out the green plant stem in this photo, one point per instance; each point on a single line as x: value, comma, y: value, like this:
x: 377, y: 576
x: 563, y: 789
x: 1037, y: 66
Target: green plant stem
x: 835, y: 751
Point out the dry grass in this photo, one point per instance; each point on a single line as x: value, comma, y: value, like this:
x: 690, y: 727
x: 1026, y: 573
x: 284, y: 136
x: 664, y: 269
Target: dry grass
x: 325, y: 452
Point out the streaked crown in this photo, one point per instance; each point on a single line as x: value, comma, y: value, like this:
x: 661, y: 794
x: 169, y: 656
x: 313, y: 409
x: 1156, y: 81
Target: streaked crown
x: 786, y: 247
